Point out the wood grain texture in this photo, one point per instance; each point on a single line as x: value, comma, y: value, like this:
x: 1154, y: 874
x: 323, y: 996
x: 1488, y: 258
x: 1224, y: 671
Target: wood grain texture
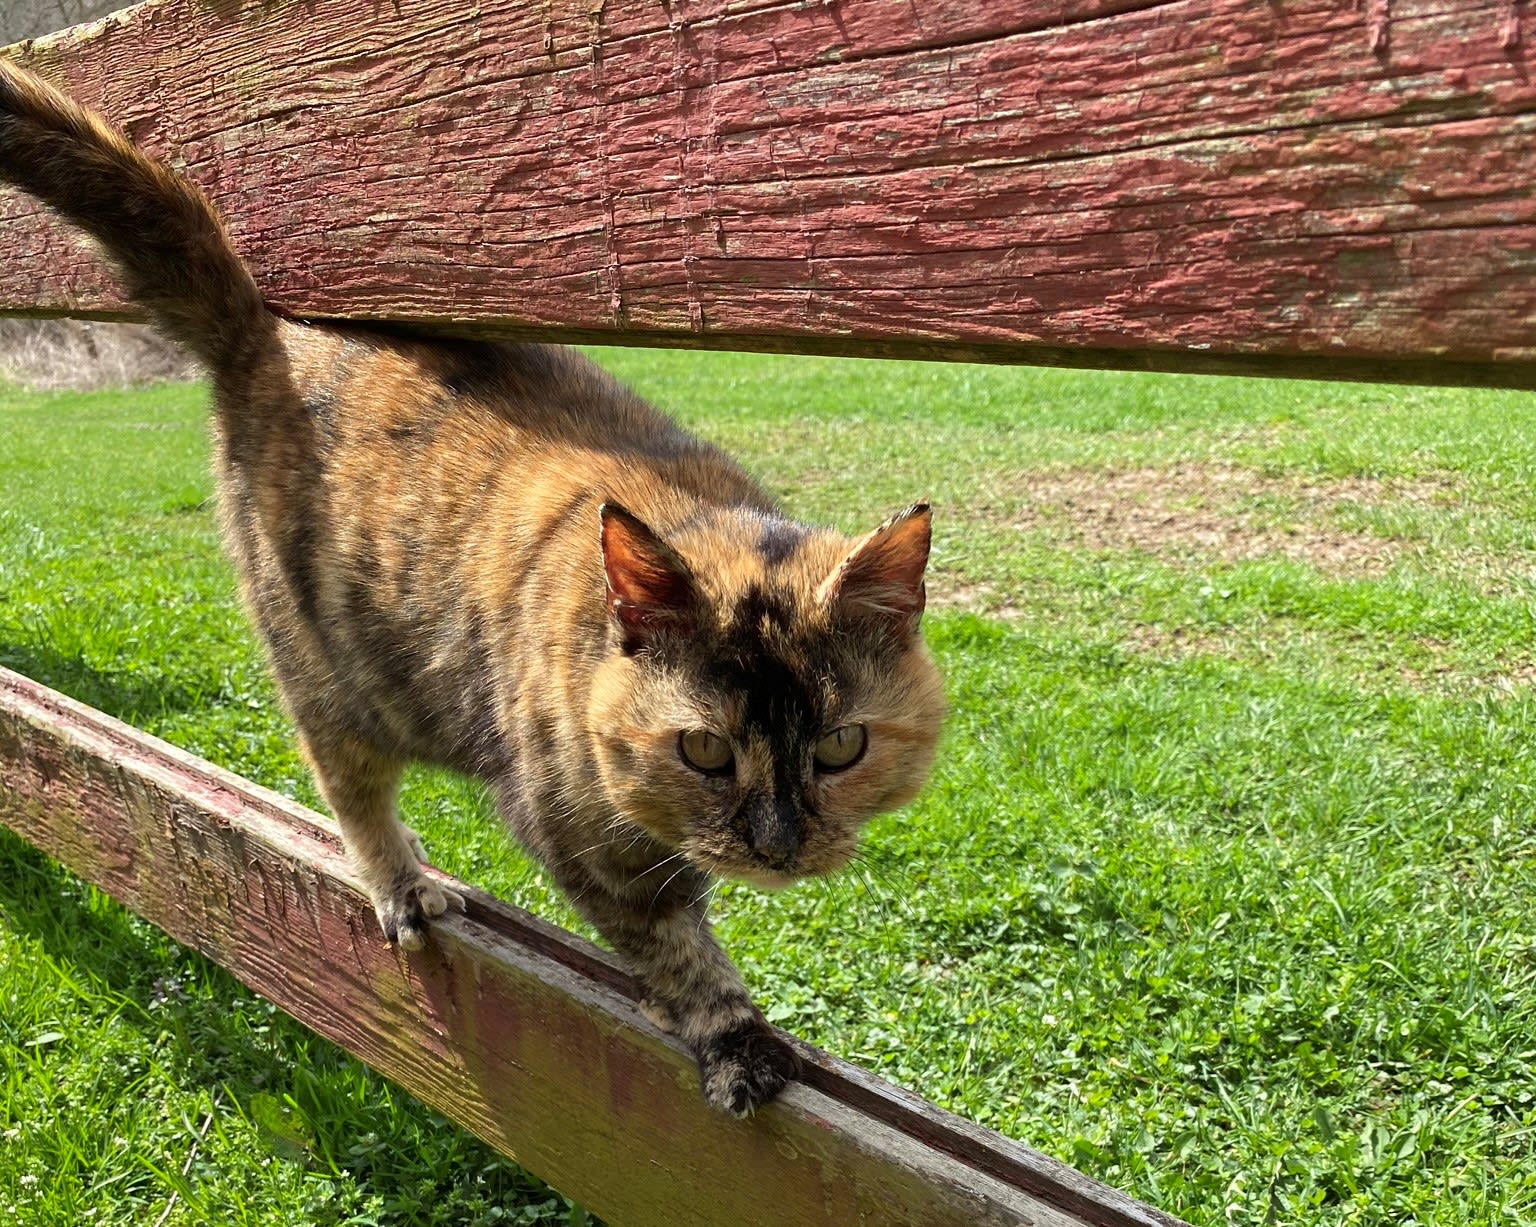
x: 1282, y: 186
x: 515, y: 1029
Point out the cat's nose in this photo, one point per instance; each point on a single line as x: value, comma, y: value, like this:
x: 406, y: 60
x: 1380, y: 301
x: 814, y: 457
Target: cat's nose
x: 773, y: 832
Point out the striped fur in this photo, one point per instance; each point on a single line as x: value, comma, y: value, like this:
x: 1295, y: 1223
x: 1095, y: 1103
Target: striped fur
x: 497, y: 559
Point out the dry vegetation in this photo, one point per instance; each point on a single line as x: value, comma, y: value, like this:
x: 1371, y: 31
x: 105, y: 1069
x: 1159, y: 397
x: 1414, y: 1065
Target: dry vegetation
x: 31, y: 18
x: 74, y: 354
x: 81, y: 355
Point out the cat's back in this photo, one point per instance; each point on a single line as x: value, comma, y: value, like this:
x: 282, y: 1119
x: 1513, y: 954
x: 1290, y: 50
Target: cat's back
x: 401, y: 507
x: 436, y: 410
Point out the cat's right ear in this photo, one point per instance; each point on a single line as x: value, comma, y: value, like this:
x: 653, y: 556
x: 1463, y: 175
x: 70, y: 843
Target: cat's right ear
x: 651, y: 591
x: 880, y: 582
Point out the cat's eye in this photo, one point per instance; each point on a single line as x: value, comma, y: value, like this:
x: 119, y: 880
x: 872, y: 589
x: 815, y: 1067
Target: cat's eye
x: 841, y: 748
x: 705, y: 752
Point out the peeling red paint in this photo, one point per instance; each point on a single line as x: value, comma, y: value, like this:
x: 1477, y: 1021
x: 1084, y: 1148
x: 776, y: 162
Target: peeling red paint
x: 1299, y: 186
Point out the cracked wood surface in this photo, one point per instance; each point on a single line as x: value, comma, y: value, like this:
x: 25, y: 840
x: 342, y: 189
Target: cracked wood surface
x: 1274, y: 186
x: 518, y: 1031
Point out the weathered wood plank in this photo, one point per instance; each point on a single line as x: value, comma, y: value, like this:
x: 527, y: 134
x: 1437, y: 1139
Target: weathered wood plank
x: 1293, y: 187
x: 515, y: 1029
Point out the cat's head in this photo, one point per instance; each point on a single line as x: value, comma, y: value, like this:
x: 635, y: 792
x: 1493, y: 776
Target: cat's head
x: 767, y: 690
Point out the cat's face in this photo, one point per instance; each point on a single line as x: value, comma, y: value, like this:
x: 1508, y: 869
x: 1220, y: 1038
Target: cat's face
x: 768, y: 692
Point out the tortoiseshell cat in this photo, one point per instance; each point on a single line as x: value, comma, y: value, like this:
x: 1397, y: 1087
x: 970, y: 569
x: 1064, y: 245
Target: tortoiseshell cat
x: 494, y: 557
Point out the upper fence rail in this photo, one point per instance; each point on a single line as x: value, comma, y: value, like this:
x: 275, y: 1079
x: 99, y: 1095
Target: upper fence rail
x: 1295, y: 187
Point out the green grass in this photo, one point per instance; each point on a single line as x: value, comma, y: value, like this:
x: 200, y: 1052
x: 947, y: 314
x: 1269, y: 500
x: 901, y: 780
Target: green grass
x: 1223, y: 890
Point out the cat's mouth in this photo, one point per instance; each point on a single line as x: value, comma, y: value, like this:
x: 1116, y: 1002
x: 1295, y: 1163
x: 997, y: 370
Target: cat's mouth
x: 765, y: 877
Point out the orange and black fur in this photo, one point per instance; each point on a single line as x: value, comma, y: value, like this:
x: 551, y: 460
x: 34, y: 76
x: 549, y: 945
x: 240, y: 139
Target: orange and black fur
x: 494, y: 557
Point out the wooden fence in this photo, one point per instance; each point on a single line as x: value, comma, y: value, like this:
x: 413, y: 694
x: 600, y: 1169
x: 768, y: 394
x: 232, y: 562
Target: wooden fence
x: 1288, y: 187
x: 1312, y: 187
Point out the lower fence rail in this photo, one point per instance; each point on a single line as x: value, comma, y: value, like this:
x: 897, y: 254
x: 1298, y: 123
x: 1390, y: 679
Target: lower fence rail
x: 524, y: 1034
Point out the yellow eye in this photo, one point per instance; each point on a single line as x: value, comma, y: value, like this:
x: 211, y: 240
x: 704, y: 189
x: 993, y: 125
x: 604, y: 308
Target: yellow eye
x: 841, y: 748
x: 705, y: 752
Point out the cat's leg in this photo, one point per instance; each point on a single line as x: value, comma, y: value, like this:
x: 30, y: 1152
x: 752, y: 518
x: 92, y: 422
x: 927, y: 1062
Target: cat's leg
x: 416, y: 845
x: 690, y: 982
x: 360, y: 785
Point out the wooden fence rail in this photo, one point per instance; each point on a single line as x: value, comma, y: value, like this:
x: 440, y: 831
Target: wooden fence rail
x: 1301, y: 187
x: 517, y: 1030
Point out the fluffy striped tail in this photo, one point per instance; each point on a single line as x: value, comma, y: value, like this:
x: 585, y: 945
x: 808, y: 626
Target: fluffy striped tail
x: 159, y: 230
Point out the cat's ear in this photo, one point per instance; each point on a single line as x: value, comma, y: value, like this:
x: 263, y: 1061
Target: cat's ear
x: 650, y: 589
x: 881, y: 579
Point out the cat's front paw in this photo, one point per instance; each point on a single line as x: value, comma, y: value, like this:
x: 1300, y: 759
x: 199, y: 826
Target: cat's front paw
x: 414, y: 900
x: 743, y: 1068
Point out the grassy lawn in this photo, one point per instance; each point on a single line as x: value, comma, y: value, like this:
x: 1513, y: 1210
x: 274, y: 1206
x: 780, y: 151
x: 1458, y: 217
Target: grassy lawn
x: 1223, y: 891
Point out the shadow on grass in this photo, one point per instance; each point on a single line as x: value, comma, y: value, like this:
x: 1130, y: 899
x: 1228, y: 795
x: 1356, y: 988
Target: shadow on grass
x: 126, y: 696
x: 307, y: 1100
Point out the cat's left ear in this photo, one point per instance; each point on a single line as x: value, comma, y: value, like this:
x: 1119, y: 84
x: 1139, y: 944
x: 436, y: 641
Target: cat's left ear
x: 881, y: 579
x: 651, y: 591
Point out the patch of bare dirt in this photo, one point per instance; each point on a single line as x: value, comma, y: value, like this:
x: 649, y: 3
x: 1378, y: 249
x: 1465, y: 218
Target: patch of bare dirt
x: 1521, y: 676
x: 1180, y: 641
x: 1222, y: 513
x: 1435, y: 668
x: 1508, y: 678
x: 979, y: 597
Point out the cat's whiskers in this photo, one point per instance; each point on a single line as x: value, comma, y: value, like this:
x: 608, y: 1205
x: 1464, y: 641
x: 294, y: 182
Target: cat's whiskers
x: 870, y: 873
x: 621, y: 825
x: 635, y: 840
x: 640, y: 834
x: 705, y: 896
x: 656, y: 898
x: 666, y: 860
x: 859, y: 870
x: 884, y: 868
x: 590, y: 848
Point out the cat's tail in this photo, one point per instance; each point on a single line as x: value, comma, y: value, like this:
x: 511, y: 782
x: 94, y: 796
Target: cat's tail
x: 159, y: 230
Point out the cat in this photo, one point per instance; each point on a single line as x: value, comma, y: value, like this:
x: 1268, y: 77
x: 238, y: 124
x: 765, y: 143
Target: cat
x: 495, y: 558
